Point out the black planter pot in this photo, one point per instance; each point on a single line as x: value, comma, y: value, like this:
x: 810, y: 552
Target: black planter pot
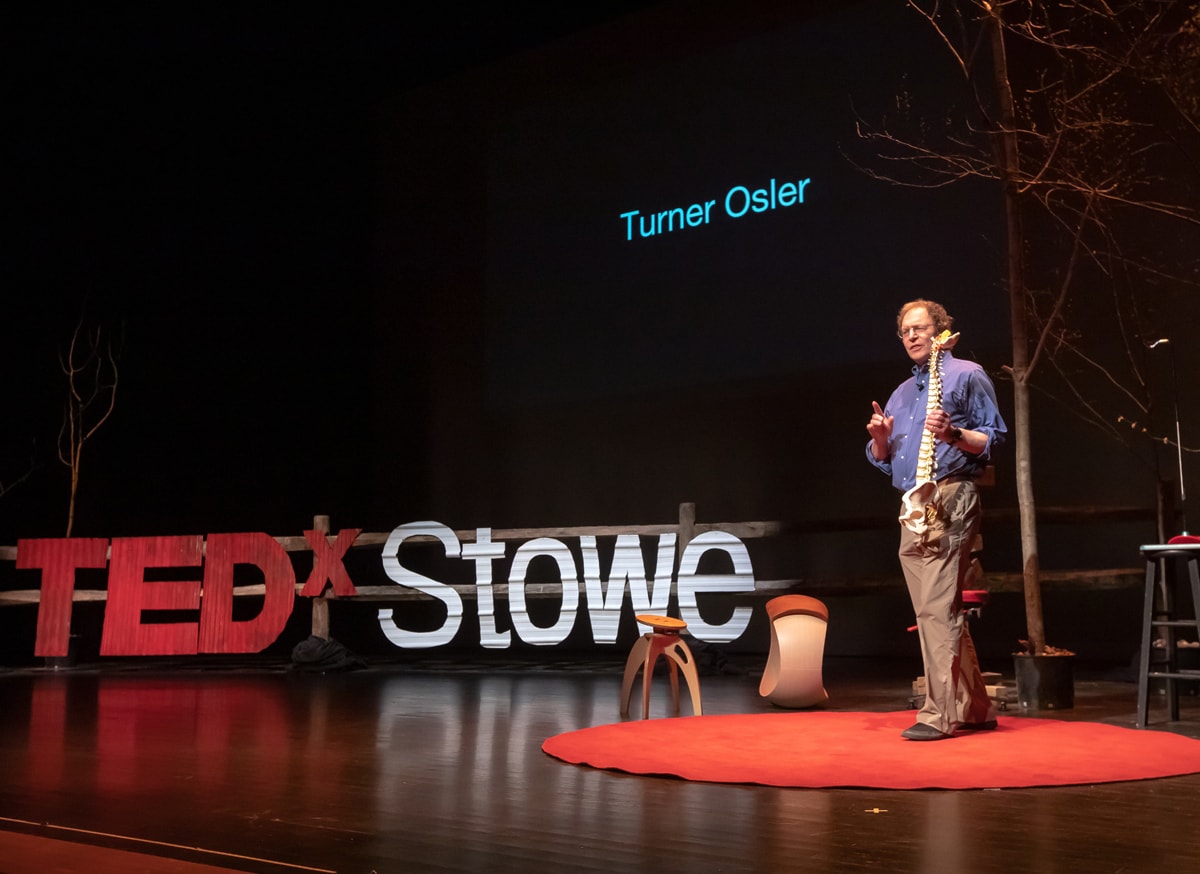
x: 1045, y: 682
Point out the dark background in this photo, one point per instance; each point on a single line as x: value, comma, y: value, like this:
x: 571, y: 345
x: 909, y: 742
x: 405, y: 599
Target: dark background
x: 371, y: 265
x: 205, y: 181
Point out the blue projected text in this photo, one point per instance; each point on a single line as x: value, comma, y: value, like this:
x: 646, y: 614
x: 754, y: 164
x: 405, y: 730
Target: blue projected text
x: 738, y: 201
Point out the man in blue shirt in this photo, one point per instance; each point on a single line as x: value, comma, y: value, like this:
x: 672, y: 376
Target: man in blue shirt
x: 965, y: 428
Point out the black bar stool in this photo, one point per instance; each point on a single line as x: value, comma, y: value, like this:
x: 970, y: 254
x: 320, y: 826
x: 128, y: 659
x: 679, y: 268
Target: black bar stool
x: 1183, y: 549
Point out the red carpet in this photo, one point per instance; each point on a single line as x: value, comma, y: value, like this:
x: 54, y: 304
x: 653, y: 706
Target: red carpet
x: 824, y: 749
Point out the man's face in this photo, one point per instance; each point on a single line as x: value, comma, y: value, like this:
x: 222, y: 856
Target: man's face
x: 916, y: 332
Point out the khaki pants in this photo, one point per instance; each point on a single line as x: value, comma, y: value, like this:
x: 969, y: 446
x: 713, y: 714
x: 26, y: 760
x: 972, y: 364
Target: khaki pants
x: 935, y: 565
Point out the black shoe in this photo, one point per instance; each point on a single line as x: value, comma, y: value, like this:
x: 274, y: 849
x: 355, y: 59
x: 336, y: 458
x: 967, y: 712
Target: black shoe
x: 986, y: 725
x: 921, y: 731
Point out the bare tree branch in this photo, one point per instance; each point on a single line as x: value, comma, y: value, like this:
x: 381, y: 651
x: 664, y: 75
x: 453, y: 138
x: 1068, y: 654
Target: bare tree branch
x: 6, y: 487
x: 90, y: 366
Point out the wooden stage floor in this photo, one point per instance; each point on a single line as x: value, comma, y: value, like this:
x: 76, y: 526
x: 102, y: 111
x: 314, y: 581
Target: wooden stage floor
x: 437, y: 766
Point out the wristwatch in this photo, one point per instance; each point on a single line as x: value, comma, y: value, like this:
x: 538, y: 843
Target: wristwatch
x: 955, y: 436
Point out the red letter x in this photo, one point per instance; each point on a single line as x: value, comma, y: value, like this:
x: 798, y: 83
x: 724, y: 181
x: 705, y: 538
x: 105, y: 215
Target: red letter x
x: 327, y: 563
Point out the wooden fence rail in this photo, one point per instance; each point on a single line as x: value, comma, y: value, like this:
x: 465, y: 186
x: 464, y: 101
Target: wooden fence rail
x: 685, y: 529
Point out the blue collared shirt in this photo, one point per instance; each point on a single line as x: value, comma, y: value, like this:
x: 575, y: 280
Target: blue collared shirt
x: 970, y: 399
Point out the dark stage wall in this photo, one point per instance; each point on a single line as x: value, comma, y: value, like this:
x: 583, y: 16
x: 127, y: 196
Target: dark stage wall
x: 546, y: 369
x: 539, y: 367
x: 529, y: 357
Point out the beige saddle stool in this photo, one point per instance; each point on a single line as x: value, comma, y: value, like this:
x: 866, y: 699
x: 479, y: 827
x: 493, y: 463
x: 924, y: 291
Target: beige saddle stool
x: 793, y: 677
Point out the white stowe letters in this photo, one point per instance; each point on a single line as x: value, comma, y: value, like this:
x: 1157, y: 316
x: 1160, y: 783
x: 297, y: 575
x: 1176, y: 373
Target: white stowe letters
x: 648, y: 592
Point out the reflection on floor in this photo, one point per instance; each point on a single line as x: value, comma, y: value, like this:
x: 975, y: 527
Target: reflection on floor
x: 437, y: 766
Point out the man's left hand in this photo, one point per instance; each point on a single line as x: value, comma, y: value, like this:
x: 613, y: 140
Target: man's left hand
x: 938, y: 422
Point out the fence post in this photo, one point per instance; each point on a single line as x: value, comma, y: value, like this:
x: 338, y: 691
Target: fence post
x: 320, y: 604
x: 687, y: 529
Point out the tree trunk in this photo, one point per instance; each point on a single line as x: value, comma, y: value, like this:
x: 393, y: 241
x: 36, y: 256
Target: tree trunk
x: 75, y: 456
x: 1008, y: 160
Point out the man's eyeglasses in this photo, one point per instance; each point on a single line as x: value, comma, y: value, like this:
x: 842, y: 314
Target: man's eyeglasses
x: 912, y: 329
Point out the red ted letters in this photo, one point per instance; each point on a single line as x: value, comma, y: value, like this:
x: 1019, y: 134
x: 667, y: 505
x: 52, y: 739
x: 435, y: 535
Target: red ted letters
x: 156, y: 607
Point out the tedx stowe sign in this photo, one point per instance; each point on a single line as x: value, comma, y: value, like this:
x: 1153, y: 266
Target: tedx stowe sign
x: 155, y: 606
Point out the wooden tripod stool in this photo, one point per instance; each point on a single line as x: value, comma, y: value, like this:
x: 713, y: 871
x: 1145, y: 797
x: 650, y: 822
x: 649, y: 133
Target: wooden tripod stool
x: 662, y: 640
